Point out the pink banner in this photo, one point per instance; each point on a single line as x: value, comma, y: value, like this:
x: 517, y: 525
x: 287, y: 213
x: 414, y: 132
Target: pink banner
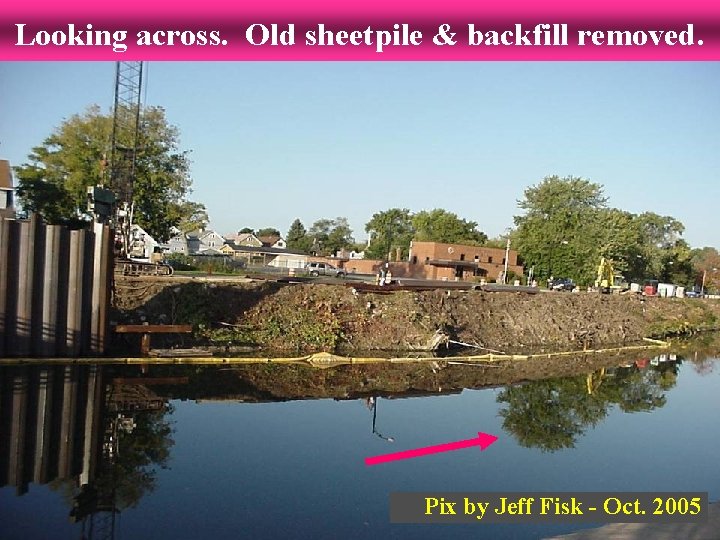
x: 371, y: 30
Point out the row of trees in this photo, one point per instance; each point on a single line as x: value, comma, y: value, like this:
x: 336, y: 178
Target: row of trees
x: 564, y: 229
x: 567, y: 227
x: 393, y: 229
x: 390, y: 231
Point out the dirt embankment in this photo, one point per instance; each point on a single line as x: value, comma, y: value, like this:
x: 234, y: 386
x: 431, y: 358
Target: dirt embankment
x: 316, y: 317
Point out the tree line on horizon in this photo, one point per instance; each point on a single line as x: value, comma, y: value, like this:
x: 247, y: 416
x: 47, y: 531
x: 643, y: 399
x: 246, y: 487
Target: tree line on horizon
x: 563, y: 228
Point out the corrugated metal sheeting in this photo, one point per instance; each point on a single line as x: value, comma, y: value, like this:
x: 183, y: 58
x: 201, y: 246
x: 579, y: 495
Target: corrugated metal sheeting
x: 55, y: 288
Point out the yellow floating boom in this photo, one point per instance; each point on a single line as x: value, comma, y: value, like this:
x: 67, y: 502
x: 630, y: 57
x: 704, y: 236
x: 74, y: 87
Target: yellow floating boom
x: 323, y: 359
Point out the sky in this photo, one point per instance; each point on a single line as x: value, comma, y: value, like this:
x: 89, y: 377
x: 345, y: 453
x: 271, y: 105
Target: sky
x: 271, y: 142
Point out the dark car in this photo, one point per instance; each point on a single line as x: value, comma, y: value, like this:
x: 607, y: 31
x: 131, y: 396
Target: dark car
x: 562, y: 284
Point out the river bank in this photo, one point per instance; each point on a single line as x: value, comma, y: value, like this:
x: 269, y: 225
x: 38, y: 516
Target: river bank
x: 336, y: 318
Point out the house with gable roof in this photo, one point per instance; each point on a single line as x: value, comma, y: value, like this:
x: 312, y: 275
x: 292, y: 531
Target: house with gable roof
x: 7, y: 191
x: 273, y: 241
x: 196, y: 242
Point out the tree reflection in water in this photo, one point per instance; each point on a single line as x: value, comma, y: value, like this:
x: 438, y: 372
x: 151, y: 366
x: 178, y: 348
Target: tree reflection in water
x: 552, y: 414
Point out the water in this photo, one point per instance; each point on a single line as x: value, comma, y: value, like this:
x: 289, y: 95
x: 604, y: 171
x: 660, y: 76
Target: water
x: 192, y: 461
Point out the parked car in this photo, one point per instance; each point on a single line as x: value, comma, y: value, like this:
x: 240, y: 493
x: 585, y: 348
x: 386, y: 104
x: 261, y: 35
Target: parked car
x: 323, y: 269
x: 563, y: 284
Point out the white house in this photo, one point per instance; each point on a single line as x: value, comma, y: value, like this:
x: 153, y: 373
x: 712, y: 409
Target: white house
x: 178, y: 244
x: 142, y: 245
x: 244, y: 239
x: 196, y: 242
x: 6, y: 190
x: 273, y: 241
x: 209, y: 240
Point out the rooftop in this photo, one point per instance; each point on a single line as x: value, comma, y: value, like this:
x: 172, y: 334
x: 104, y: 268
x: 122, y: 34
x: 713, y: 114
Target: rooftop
x: 6, y: 181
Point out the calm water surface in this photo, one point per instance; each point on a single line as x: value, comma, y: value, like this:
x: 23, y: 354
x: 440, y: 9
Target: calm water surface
x: 179, y: 456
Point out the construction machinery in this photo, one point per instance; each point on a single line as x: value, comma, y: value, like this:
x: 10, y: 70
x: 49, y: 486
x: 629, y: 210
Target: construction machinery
x: 605, y: 276
x: 607, y: 280
x: 113, y: 202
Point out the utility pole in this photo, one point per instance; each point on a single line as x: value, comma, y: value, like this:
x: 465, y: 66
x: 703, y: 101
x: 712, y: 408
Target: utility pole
x: 702, y: 288
x: 507, y: 256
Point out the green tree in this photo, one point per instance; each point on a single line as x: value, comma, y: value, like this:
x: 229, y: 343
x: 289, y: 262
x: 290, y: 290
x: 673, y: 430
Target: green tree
x: 55, y: 180
x: 442, y: 226
x: 498, y: 242
x: 268, y: 231
x: 46, y: 199
x: 389, y: 230
x: 331, y: 235
x: 617, y: 238
x: 297, y: 237
x: 662, y: 254
x: 189, y: 216
x: 246, y: 230
x: 559, y: 233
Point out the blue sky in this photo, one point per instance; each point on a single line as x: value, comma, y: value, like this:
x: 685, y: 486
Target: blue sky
x: 271, y: 142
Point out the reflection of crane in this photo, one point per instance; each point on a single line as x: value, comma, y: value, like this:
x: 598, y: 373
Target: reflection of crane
x: 98, y: 504
x: 95, y: 505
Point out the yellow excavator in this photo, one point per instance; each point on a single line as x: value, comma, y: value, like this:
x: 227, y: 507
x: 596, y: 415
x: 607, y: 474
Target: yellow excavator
x: 605, y: 276
x: 608, y: 281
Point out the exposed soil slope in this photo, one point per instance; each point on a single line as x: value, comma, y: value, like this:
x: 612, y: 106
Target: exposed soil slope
x: 314, y: 317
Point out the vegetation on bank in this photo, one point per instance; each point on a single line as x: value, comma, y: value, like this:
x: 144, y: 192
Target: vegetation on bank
x: 334, y: 318
x: 698, y: 317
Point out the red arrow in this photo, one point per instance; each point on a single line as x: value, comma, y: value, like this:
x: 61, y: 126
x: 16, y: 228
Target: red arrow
x: 483, y: 440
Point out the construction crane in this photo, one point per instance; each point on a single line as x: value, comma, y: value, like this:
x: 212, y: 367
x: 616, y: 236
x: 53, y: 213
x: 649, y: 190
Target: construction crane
x: 114, y: 202
x: 124, y: 145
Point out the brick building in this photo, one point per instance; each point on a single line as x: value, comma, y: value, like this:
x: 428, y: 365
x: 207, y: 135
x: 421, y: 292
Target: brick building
x: 435, y: 260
